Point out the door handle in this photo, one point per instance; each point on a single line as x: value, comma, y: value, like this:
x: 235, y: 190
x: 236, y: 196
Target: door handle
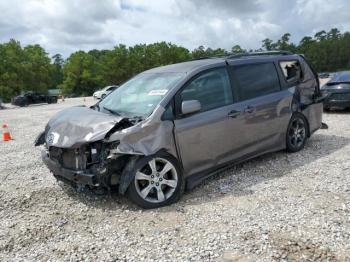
x: 249, y: 109
x: 234, y: 113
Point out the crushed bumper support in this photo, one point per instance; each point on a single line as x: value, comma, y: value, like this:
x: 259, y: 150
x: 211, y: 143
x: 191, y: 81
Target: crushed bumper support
x: 75, y: 176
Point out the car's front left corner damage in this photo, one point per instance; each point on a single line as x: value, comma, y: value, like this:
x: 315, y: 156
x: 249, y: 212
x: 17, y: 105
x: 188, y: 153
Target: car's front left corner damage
x: 104, y: 160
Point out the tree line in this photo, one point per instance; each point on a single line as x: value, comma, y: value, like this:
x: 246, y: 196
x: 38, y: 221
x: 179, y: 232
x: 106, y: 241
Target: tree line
x: 30, y: 68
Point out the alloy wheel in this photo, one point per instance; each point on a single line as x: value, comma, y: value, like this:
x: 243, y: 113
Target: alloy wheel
x: 156, y: 181
x: 297, y: 133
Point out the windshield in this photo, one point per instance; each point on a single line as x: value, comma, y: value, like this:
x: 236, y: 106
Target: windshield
x: 140, y: 95
x: 341, y: 77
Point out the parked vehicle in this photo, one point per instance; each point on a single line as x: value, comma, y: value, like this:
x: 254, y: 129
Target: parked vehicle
x: 169, y: 127
x: 324, y: 75
x: 101, y: 94
x: 337, y: 91
x: 33, y: 98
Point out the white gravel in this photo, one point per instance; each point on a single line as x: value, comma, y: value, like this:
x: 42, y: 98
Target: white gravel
x: 277, y: 207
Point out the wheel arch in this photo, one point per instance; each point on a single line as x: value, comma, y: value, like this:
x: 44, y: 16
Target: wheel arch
x: 127, y: 175
x: 301, y: 114
x: 298, y: 109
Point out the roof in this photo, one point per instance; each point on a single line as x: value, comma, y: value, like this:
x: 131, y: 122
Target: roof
x: 186, y: 67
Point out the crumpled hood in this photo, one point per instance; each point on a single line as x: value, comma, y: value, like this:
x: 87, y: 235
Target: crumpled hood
x: 77, y: 125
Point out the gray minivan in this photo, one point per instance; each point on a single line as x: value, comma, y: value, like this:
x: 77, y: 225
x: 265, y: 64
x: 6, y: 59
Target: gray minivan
x: 168, y: 128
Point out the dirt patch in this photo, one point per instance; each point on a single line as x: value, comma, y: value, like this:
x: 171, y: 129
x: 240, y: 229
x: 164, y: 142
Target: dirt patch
x: 290, y: 249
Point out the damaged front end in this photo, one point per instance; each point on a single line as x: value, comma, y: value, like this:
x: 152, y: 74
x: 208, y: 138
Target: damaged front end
x: 87, y: 147
x: 75, y: 147
x: 87, y: 164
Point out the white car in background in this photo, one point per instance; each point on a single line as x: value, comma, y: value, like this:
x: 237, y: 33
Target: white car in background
x: 100, y: 94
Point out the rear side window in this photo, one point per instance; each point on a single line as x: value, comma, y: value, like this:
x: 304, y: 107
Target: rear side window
x: 291, y: 70
x: 255, y: 80
x: 212, y: 89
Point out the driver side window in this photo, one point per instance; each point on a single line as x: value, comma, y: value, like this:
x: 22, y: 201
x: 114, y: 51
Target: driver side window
x: 212, y: 89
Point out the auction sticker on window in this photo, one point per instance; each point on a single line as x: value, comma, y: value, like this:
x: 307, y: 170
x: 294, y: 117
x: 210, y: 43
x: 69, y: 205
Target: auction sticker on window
x: 157, y: 92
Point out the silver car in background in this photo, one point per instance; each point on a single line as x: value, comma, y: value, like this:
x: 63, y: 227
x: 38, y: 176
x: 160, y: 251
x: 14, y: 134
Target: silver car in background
x: 168, y: 128
x: 101, y: 94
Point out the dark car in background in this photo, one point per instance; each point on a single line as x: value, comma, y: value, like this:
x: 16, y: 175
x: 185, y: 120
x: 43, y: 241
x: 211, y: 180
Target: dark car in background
x: 33, y: 98
x: 337, y: 91
x: 324, y: 75
x: 168, y: 128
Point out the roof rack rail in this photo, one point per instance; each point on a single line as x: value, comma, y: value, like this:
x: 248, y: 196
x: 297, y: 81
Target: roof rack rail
x: 272, y: 52
x: 238, y: 55
x: 209, y: 57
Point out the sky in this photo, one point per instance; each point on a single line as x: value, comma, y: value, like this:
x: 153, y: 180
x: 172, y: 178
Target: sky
x: 65, y: 26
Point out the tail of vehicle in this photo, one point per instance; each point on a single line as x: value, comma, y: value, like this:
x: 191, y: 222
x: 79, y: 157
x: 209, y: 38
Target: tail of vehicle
x: 317, y: 96
x: 313, y: 108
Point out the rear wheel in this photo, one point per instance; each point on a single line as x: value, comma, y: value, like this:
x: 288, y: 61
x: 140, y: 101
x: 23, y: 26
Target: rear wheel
x: 157, y: 182
x: 296, y: 133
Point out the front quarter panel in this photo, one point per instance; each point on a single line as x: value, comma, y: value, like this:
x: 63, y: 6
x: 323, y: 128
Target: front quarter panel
x: 147, y: 137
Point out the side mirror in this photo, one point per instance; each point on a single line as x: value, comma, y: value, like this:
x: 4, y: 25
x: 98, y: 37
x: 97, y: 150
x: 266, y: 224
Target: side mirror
x: 190, y: 106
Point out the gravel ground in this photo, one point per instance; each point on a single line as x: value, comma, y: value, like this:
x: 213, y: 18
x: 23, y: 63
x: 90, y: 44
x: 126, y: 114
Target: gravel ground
x: 277, y: 207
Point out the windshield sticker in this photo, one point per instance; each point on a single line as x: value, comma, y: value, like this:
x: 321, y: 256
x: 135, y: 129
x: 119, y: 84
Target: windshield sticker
x: 157, y: 92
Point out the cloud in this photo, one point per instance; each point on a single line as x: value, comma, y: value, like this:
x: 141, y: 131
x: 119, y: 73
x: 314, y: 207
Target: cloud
x: 65, y: 26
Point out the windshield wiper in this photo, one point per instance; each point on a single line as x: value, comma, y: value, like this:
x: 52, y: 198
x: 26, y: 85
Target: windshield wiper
x: 111, y: 111
x: 136, y: 119
x: 95, y: 106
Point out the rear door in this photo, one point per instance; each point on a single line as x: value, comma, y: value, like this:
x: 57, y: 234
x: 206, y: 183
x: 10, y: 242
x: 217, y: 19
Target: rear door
x: 264, y: 107
x: 202, y: 136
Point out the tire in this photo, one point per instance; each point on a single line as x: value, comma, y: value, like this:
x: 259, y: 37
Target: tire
x: 25, y: 103
x: 149, y: 189
x: 296, y: 133
x: 53, y: 100
x: 326, y: 108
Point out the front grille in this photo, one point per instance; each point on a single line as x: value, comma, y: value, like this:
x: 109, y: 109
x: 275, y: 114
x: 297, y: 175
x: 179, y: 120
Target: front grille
x: 340, y: 96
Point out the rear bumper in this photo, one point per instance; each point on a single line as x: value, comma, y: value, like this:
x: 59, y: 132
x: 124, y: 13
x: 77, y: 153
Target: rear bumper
x: 74, y: 176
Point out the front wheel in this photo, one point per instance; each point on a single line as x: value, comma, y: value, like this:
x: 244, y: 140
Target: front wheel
x: 158, y: 181
x: 296, y: 133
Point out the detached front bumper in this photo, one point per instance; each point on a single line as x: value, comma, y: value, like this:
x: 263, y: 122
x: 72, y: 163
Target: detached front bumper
x: 65, y: 174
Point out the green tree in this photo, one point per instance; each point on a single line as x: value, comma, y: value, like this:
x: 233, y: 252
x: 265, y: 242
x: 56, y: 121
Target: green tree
x: 57, y: 70
x: 268, y: 44
x: 80, y: 74
x: 237, y: 49
x: 36, y: 67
